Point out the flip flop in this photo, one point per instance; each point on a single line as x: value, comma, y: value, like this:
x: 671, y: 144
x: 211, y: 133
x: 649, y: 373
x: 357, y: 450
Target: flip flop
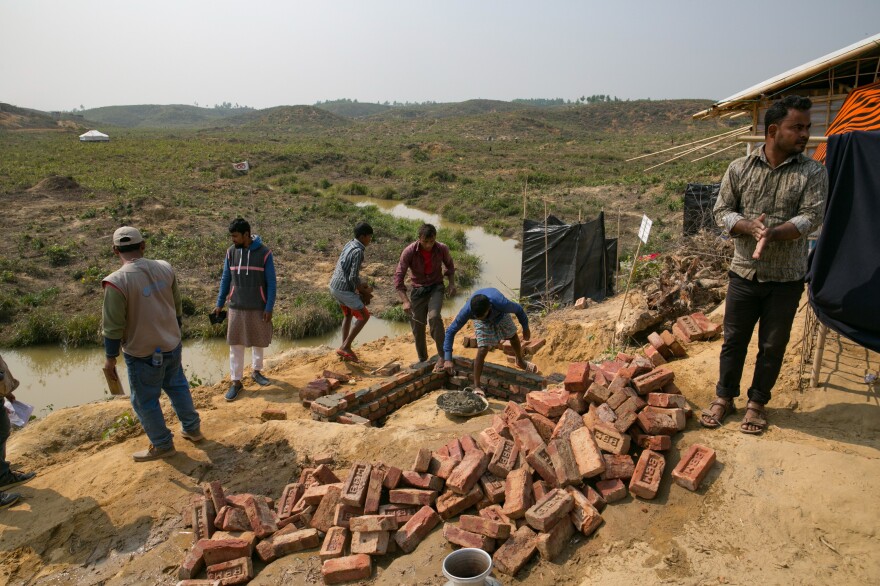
x: 349, y: 356
x: 530, y: 367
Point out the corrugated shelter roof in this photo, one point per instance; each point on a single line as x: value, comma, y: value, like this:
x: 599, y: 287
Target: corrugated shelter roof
x: 846, y: 63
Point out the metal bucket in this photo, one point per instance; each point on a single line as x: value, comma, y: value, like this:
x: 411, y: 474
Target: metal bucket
x: 468, y: 566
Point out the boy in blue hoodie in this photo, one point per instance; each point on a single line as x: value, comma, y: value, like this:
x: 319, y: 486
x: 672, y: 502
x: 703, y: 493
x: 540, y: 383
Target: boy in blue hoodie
x: 248, y: 284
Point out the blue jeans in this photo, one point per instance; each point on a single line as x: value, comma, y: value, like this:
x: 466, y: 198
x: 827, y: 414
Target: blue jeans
x: 147, y: 383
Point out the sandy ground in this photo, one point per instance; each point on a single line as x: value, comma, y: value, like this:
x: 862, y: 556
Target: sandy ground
x: 795, y: 506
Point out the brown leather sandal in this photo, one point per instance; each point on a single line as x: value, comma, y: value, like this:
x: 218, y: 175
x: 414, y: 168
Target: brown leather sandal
x: 756, y: 415
x: 711, y: 419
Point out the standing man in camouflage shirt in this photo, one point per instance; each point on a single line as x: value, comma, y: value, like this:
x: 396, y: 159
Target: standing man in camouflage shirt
x: 769, y: 203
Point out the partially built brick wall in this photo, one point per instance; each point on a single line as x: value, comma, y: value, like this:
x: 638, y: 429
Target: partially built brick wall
x: 329, y: 402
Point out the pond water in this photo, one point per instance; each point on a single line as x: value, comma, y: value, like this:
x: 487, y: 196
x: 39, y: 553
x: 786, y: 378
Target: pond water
x: 53, y: 378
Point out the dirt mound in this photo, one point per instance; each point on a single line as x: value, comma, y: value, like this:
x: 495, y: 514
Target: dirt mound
x: 55, y: 183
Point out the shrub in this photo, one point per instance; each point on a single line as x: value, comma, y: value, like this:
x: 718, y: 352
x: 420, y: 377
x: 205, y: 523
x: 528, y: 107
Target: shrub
x: 58, y: 254
x: 312, y: 314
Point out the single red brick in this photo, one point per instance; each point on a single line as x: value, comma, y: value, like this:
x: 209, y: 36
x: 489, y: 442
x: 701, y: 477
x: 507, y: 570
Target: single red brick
x: 368, y: 523
x: 392, y: 475
x: 496, y: 513
x: 347, y: 569
x: 597, y: 393
x: 465, y: 538
x: 657, y: 443
x: 442, y: 466
x: 674, y: 345
x: 468, y: 472
x: 616, y: 399
x: 282, y: 544
x: 611, y: 440
x: 564, y: 462
x: 550, y: 404
x: 402, y: 513
x: 618, y: 466
x: 539, y: 489
x: 468, y: 444
x: 335, y: 542
x: 483, y: 526
x: 449, y: 504
x: 653, y: 381
x: 422, y: 481
x: 493, y: 488
x: 238, y: 571
x: 456, y: 452
x: 525, y: 435
x: 214, y: 491
x: 412, y: 496
x: 322, y: 520
x: 215, y: 551
x: 499, y: 424
x: 653, y: 355
x: 594, y: 498
x: 416, y: 529
x: 323, y: 458
x: 316, y: 493
x: 543, y: 425
x: 370, y: 542
x: 545, y: 513
x: 656, y: 340
x: 325, y: 475
x: 710, y: 329
x: 516, y: 551
x: 289, y: 497
x: 273, y: 415
x: 682, y: 335
x: 488, y: 438
x: 570, y: 421
x: 354, y: 491
x: 584, y: 516
x: 658, y: 421
x: 541, y: 462
x: 611, y: 490
x: 514, y: 411
x: 517, y: 493
x: 192, y: 563
x: 202, y: 522
x: 577, y: 377
x: 586, y: 453
x: 374, y: 492
x: 606, y: 413
x: 646, y: 478
x: 344, y: 513
x: 667, y: 400
x: 553, y: 543
x: 262, y: 518
x: 694, y: 466
x: 504, y: 459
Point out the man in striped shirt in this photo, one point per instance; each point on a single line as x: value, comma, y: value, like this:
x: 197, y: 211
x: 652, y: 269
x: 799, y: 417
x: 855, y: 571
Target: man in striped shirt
x: 769, y: 202
x: 348, y: 289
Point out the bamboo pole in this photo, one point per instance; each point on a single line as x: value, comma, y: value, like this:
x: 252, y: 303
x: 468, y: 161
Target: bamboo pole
x: 687, y: 152
x: 617, y: 260
x: 525, y: 190
x: 817, y: 356
x: 688, y: 144
x: 546, y: 257
x: 629, y: 281
x: 715, y: 153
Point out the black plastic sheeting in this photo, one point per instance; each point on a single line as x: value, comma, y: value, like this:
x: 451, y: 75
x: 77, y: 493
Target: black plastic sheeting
x: 699, y: 199
x: 844, y: 274
x: 581, y: 260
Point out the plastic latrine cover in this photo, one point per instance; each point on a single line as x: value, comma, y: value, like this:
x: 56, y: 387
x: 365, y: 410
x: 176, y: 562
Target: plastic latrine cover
x: 699, y: 199
x: 576, y: 260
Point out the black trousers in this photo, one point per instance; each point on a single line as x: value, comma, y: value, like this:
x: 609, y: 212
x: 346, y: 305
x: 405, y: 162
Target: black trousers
x: 772, y: 305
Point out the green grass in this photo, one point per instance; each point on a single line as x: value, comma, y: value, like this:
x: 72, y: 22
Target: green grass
x: 179, y: 188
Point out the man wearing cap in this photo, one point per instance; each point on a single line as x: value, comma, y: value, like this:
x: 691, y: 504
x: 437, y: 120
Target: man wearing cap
x: 142, y: 313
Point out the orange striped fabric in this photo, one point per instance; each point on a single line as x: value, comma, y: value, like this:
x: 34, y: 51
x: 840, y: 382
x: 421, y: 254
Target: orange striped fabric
x: 860, y: 111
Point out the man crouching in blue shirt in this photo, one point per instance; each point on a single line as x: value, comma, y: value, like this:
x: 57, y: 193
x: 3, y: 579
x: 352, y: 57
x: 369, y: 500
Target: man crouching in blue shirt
x: 490, y: 311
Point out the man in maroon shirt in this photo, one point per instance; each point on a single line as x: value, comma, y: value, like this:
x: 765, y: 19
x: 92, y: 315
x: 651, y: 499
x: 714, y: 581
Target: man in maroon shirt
x: 425, y: 259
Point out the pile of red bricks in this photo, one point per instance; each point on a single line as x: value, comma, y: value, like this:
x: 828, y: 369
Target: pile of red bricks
x: 666, y: 345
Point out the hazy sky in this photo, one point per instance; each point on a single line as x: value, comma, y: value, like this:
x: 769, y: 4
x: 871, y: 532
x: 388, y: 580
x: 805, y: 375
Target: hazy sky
x: 65, y: 53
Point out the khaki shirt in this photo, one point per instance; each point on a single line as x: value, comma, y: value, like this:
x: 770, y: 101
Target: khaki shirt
x: 792, y: 192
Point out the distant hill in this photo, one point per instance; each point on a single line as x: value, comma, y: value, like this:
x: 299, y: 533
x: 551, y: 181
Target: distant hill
x: 452, y: 109
x: 159, y: 116
x: 15, y: 118
x: 302, y: 118
x: 352, y: 109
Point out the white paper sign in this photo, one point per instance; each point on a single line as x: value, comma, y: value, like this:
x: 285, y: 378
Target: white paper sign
x: 645, y: 229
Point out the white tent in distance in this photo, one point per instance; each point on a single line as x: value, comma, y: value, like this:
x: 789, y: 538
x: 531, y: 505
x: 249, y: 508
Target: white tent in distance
x: 94, y: 136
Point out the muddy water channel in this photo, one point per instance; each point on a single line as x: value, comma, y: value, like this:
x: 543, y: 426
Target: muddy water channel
x: 53, y: 378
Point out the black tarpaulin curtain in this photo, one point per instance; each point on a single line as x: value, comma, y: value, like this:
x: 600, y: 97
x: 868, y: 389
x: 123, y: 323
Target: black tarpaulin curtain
x: 579, y: 260
x: 844, y: 274
x: 699, y: 199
